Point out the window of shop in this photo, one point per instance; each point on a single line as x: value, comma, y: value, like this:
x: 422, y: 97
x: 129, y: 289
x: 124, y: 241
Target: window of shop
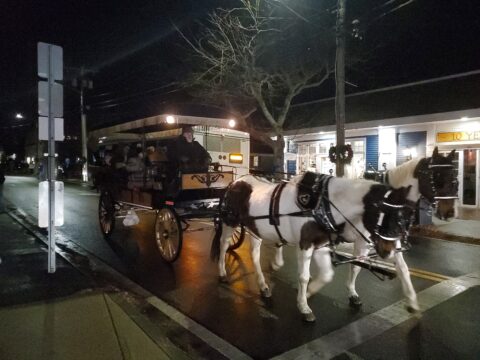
x: 469, y: 193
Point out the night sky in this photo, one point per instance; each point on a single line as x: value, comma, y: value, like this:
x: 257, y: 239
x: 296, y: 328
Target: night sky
x: 133, y: 54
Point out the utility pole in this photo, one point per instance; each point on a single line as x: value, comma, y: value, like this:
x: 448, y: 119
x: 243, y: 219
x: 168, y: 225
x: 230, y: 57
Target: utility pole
x: 340, y: 84
x: 83, y: 83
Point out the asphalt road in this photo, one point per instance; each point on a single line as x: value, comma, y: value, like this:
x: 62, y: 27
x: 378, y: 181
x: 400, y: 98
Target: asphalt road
x: 235, y: 311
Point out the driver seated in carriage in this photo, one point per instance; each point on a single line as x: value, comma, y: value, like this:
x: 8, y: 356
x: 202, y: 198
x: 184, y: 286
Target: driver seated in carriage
x: 187, y: 154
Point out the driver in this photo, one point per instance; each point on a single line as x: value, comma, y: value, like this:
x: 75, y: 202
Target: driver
x: 188, y: 154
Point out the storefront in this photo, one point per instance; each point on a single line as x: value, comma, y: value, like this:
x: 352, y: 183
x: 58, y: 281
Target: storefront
x: 465, y: 138
x: 373, y: 149
x: 389, y: 146
x: 389, y: 126
x: 313, y: 156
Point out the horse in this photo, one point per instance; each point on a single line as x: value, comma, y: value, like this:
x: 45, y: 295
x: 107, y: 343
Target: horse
x: 432, y: 178
x: 370, y: 206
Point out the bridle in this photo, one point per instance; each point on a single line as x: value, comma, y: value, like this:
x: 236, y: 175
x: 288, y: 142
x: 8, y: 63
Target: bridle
x: 434, y: 197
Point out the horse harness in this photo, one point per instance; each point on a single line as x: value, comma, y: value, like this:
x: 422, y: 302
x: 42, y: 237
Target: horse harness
x: 312, y: 198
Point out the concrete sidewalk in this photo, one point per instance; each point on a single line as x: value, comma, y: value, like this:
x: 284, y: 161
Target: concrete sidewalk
x: 73, y: 315
x: 460, y: 230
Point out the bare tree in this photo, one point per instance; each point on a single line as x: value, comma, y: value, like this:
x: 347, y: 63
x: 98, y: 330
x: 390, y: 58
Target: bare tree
x: 255, y: 59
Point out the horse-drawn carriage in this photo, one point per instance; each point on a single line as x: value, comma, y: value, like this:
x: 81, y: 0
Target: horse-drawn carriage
x: 175, y: 194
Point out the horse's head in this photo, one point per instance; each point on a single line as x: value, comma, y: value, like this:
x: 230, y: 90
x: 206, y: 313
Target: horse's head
x: 385, y: 217
x: 437, y: 182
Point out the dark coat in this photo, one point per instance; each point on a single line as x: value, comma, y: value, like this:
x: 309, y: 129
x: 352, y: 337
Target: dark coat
x: 189, y: 157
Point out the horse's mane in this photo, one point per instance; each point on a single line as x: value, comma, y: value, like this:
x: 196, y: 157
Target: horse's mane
x: 400, y: 175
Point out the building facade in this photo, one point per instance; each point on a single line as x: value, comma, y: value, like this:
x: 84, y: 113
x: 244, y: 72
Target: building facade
x: 412, y: 130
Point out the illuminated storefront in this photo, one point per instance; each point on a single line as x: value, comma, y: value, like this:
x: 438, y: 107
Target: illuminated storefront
x: 464, y: 136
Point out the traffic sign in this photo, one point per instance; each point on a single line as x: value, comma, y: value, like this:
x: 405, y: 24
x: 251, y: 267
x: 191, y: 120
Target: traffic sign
x: 56, y: 99
x: 50, y: 61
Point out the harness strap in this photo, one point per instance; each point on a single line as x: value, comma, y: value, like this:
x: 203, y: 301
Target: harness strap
x: 347, y: 220
x: 273, y: 212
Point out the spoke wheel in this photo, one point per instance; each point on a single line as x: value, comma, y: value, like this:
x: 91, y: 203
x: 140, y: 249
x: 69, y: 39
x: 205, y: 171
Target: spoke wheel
x: 106, y: 213
x: 238, y: 234
x: 168, y: 234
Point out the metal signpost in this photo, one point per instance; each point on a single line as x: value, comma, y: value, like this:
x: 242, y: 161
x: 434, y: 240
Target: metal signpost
x: 50, y: 109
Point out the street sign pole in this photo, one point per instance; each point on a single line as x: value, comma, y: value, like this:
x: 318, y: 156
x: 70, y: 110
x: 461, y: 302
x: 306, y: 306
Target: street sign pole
x: 51, y: 170
x: 50, y: 107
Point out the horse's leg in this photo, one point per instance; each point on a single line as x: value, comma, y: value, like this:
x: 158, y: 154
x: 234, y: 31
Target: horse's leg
x: 404, y: 275
x: 322, y: 259
x: 360, y: 248
x: 224, y: 245
x: 255, y: 252
x: 277, y: 261
x: 304, y: 258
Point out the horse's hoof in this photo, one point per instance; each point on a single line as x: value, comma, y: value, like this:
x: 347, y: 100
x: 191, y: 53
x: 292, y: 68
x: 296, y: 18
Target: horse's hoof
x: 355, y: 301
x: 309, y: 317
x: 413, y: 310
x: 266, y: 293
x: 223, y: 279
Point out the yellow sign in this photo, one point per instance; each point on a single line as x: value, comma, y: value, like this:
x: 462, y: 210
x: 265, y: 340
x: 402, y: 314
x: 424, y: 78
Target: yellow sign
x: 458, y: 136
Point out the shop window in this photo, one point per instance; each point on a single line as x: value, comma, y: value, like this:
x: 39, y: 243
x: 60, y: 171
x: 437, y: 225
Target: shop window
x: 323, y: 148
x: 292, y: 147
x: 358, y: 146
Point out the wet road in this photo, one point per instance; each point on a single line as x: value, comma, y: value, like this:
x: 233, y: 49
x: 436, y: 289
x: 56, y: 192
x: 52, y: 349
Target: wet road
x: 234, y: 311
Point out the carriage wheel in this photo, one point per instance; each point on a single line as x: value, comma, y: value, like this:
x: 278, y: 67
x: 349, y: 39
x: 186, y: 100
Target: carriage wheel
x: 168, y: 234
x: 106, y: 213
x: 238, y: 234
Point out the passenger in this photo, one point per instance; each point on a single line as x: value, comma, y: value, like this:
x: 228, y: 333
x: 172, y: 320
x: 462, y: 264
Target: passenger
x: 188, y: 154
x: 134, y: 167
x: 155, y: 155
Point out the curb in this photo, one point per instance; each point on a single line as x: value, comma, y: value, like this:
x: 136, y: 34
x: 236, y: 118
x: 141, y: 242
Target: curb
x: 433, y: 233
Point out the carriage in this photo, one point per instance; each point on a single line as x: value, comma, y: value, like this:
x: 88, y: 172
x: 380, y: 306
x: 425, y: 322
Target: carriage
x: 175, y: 196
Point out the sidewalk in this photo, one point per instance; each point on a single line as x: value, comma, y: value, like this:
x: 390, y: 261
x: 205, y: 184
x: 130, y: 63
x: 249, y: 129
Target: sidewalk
x: 465, y: 228
x: 72, y: 315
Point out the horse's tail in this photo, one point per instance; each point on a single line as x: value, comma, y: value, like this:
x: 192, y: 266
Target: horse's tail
x: 235, y: 207
x: 215, y: 248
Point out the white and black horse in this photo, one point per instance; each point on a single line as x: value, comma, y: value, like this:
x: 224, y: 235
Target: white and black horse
x: 432, y: 178
x: 371, y: 207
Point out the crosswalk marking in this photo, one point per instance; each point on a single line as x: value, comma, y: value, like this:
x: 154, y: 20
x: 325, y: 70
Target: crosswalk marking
x: 366, y: 328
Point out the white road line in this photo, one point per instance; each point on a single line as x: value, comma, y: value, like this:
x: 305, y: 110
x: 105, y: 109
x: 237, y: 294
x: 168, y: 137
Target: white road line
x: 366, y: 328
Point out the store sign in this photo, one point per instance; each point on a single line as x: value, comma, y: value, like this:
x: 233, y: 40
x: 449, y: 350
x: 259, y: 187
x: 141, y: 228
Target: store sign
x: 458, y: 136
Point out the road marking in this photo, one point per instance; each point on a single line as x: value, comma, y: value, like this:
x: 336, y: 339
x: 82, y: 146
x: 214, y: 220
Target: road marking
x: 366, y: 328
x: 429, y: 275
x: 419, y: 273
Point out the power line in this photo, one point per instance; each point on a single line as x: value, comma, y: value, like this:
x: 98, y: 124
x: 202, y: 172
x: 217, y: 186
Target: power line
x: 107, y: 102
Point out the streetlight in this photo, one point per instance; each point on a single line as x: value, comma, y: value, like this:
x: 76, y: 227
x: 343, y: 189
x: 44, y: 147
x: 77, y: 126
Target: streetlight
x: 18, y: 116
